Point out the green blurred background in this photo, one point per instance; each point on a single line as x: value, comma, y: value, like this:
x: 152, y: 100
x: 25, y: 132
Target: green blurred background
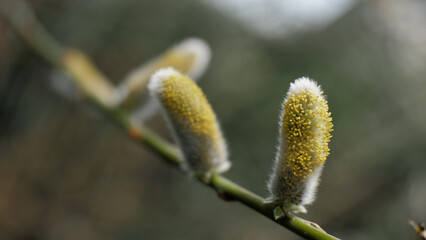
x: 68, y: 173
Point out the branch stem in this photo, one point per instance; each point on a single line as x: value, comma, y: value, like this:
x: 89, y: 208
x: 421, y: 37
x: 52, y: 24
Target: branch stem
x: 86, y: 75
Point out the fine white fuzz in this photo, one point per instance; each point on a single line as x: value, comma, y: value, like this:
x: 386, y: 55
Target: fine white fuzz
x: 200, y: 51
x: 192, y: 120
x: 190, y: 57
x: 305, y: 124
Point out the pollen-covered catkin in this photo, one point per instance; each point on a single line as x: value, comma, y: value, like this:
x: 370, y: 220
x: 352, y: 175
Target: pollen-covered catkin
x: 192, y: 120
x: 305, y: 125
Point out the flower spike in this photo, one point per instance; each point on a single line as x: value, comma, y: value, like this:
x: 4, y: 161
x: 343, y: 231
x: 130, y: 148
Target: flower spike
x: 303, y: 146
x: 190, y: 56
x: 192, y: 120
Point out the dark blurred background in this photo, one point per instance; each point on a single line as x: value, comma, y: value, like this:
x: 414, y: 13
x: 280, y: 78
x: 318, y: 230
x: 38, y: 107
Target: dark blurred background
x: 68, y: 173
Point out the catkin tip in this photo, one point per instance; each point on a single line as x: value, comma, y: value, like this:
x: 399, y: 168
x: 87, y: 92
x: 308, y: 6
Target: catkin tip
x: 190, y: 56
x: 201, y: 52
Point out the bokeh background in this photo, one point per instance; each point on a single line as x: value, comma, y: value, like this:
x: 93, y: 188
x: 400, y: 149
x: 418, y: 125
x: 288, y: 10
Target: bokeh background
x: 68, y: 173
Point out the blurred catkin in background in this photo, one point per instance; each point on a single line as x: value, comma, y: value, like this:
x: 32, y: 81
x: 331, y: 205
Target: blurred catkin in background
x: 67, y: 173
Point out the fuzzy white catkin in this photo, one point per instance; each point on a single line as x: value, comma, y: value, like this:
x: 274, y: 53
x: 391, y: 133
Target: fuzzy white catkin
x: 190, y: 56
x: 305, y: 124
x: 192, y: 120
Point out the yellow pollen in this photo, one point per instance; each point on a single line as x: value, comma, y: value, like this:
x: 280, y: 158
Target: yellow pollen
x: 306, y: 128
x: 190, y: 112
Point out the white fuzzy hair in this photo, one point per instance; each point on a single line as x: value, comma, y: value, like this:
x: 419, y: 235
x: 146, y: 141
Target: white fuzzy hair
x: 202, y: 53
x: 304, y: 84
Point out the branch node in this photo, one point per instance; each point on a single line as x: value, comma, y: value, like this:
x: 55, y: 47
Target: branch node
x: 225, y: 196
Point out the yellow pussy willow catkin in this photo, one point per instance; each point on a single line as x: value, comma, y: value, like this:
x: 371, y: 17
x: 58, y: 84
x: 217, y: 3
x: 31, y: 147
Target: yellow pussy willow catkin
x: 305, y: 132
x: 190, y: 57
x: 193, y: 121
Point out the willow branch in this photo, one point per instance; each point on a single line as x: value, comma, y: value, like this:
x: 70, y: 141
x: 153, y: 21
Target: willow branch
x: 84, y: 73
